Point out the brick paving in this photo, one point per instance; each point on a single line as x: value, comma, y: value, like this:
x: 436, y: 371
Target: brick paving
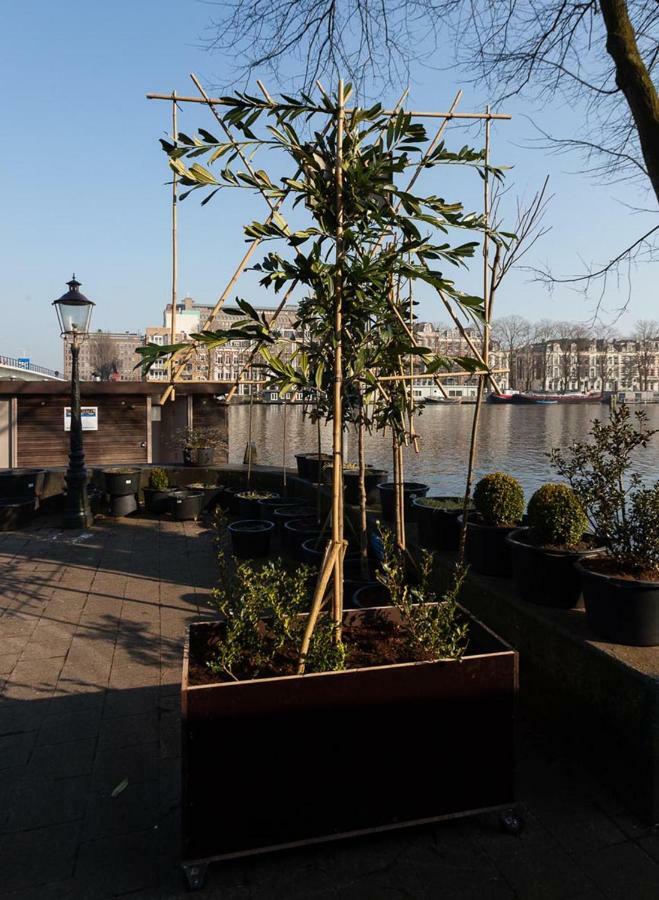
x: 91, y: 632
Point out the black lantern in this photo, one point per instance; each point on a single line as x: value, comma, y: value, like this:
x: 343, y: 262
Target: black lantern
x: 74, y: 312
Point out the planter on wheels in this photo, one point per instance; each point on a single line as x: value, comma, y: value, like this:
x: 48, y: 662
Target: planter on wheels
x: 411, y: 489
x: 121, y: 482
x: 621, y: 610
x: 488, y: 551
x: 547, y: 576
x: 186, y: 505
x: 250, y: 538
x: 349, y: 715
x: 437, y: 521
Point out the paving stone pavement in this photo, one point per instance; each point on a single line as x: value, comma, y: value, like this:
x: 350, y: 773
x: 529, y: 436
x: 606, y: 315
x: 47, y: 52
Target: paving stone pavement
x: 91, y: 631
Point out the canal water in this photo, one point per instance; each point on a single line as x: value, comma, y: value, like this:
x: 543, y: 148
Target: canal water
x: 513, y: 439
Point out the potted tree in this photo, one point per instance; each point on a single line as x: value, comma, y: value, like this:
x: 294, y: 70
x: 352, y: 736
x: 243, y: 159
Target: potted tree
x: 199, y: 444
x: 544, y: 554
x: 312, y: 673
x: 499, y: 507
x: 158, y: 492
x: 621, y: 585
x: 249, y: 500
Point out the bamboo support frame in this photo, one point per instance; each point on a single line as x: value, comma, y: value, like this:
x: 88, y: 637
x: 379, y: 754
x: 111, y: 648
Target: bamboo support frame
x: 172, y: 330
x: 422, y: 114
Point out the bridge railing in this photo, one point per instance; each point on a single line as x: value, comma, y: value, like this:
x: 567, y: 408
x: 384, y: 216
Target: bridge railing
x: 28, y: 367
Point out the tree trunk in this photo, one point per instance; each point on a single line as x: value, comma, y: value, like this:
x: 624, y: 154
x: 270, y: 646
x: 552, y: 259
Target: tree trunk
x: 634, y: 80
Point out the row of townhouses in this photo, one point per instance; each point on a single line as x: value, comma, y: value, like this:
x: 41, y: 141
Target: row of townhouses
x: 586, y: 364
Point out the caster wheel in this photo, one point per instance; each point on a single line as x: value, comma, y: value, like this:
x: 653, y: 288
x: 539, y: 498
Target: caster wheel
x: 195, y: 876
x: 511, y: 823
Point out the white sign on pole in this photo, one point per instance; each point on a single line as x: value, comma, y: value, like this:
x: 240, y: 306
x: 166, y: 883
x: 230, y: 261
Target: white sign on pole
x: 88, y: 417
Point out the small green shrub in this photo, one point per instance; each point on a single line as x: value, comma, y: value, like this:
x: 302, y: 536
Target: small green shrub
x: 433, y: 625
x: 499, y: 499
x: 158, y: 480
x: 556, y: 516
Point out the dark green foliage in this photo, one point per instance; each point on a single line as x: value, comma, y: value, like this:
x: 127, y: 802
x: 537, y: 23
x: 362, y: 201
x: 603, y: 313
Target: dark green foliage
x: 556, y: 515
x: 261, y: 603
x: 499, y: 499
x: 623, y: 513
x: 158, y: 479
x: 432, y: 624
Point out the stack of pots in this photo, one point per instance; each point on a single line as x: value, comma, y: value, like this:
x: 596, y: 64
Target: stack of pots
x: 121, y: 487
x: 20, y: 490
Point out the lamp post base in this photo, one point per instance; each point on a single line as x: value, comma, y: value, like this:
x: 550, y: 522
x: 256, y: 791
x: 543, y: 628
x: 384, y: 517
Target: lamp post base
x: 79, y: 519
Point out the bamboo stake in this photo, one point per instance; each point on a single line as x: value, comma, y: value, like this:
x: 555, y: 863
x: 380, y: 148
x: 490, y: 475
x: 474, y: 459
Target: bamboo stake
x: 283, y: 452
x: 485, y: 352
x: 249, y: 439
x: 337, y: 437
x: 363, y: 520
x: 326, y: 570
x: 320, y: 460
x: 172, y: 330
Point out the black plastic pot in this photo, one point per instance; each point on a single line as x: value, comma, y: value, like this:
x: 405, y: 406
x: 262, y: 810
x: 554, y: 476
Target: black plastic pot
x: 211, y: 494
x: 284, y: 514
x: 186, y: 505
x: 621, y: 610
x: 411, y: 489
x: 22, y: 484
x: 121, y: 483
x: 372, y: 478
x: 438, y: 527
x: 312, y: 552
x: 371, y: 594
x: 14, y: 513
x: 488, y: 552
x: 267, y: 507
x: 543, y: 576
x: 123, y: 504
x: 295, y: 533
x: 249, y: 508
x: 250, y: 538
x: 309, y: 467
x: 157, y: 500
x: 95, y: 497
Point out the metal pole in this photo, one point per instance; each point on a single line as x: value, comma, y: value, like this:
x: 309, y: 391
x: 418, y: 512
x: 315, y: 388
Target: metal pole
x: 77, y: 513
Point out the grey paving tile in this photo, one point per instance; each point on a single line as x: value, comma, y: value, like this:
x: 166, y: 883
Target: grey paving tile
x: 127, y: 731
x: 137, y: 764
x: 63, y: 760
x: 135, y: 809
x: 28, y: 802
x: 15, y: 749
x: 61, y: 727
x: 96, y: 866
x: 38, y: 856
x: 622, y: 871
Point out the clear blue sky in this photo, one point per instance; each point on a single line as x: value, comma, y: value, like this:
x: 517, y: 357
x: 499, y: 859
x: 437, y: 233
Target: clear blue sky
x: 84, y: 176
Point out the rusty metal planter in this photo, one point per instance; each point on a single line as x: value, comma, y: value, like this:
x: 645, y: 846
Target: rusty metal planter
x: 414, y: 743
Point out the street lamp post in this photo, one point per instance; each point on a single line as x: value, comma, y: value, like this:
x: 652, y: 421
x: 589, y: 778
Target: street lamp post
x: 74, y: 311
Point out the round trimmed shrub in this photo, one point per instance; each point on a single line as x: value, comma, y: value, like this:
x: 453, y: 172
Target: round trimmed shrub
x: 499, y: 499
x: 556, y: 516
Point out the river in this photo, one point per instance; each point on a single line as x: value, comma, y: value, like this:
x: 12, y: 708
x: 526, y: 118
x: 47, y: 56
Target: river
x: 513, y: 439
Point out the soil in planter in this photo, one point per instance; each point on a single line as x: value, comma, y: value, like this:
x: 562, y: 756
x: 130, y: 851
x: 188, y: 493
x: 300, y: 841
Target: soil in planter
x: 590, y: 542
x: 605, y: 566
x: 374, y: 641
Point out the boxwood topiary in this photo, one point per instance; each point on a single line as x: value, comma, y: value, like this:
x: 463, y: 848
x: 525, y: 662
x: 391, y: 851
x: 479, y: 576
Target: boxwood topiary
x: 556, y: 516
x: 499, y: 499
